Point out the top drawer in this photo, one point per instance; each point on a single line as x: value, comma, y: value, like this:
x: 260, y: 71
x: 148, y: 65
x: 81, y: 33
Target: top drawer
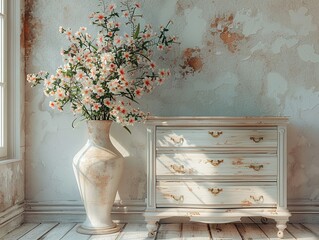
x: 214, y: 137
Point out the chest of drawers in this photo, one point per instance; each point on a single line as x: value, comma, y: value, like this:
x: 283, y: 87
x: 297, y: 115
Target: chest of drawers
x: 216, y: 169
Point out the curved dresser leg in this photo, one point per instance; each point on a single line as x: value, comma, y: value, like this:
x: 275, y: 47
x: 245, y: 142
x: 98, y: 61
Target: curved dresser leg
x: 152, y: 228
x: 281, y: 225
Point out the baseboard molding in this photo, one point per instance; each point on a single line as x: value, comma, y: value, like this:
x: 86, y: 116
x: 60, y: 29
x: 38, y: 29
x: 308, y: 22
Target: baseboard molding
x: 11, y: 218
x: 303, y: 211
x: 71, y: 211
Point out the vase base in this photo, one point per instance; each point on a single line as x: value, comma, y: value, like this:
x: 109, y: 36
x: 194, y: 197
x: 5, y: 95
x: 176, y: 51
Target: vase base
x: 98, y: 231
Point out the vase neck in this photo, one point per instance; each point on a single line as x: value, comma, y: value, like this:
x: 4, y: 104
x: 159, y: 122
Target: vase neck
x: 99, y: 133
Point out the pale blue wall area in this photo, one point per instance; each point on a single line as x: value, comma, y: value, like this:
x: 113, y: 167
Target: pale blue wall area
x: 272, y: 70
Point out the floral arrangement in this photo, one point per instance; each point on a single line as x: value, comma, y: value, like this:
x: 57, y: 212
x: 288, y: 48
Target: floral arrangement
x: 103, y: 77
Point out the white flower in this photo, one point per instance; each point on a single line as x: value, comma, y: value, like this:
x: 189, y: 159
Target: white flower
x: 111, y: 7
x: 117, y: 41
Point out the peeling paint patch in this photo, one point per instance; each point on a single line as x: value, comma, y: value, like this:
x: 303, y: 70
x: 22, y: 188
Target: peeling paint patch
x: 281, y: 42
x: 256, y: 23
x: 307, y: 53
x: 302, y: 21
x: 194, y: 29
x: 275, y: 35
x: 192, y: 61
x: 224, y: 28
x: 277, y: 86
x: 275, y: 47
x: 250, y: 24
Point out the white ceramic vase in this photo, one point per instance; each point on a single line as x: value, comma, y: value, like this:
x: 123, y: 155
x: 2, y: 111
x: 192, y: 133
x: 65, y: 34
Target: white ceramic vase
x: 98, y: 168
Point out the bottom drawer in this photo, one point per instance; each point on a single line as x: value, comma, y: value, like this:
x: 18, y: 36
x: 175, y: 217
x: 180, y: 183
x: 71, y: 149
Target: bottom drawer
x: 215, y: 194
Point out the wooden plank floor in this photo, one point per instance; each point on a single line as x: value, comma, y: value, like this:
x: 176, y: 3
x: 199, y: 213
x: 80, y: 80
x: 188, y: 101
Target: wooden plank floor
x: 236, y: 231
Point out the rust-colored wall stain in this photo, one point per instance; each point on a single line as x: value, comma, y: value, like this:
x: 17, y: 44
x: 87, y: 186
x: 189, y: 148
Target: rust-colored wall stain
x: 224, y: 28
x: 192, y: 61
x: 31, y: 28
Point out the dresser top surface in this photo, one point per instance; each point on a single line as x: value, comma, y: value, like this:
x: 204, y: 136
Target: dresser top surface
x: 219, y: 120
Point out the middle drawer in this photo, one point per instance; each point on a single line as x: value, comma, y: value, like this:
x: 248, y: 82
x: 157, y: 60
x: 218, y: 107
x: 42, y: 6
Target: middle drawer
x: 201, y: 164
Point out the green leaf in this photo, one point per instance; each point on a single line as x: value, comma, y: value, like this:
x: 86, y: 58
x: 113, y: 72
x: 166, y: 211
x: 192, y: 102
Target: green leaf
x: 127, y: 129
x: 137, y: 31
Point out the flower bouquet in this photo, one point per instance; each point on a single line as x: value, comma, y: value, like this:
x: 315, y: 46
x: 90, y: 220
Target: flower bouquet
x: 103, y: 76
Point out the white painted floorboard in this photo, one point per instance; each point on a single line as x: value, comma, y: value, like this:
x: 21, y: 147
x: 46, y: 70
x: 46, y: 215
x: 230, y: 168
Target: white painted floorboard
x: 176, y: 231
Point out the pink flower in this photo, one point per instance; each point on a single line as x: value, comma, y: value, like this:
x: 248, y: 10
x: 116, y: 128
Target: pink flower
x: 47, y: 82
x: 123, y: 111
x: 93, y: 72
x: 60, y: 108
x: 138, y: 92
x: 117, y: 41
x: 107, y: 102
x: 60, y: 93
x: 121, y: 71
x: 138, y: 5
x: 80, y: 75
x: 160, y: 47
x: 152, y: 65
x: 126, y: 14
x: 131, y: 120
x: 86, y: 92
x: 52, y: 104
x: 112, y: 66
x: 111, y: 7
x: 96, y: 106
x: 100, y: 16
x: 147, y: 82
x: 147, y: 35
x: 126, y: 55
x: 68, y: 33
x: 160, y: 81
x: 162, y: 73
x: 31, y: 78
x: 118, y: 108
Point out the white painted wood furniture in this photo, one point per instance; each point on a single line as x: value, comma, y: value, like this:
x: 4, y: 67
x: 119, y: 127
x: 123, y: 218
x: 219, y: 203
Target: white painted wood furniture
x: 217, y: 169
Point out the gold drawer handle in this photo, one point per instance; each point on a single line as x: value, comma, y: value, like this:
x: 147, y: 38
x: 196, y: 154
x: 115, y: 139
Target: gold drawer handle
x: 215, y: 134
x: 178, y: 199
x: 256, y: 140
x: 177, y: 140
x: 259, y: 199
x: 178, y: 169
x: 215, y: 191
x: 215, y: 163
x: 256, y: 167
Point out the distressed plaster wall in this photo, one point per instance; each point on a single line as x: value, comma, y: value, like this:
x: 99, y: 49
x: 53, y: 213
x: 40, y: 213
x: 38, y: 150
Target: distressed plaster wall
x: 236, y: 58
x: 12, y: 184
